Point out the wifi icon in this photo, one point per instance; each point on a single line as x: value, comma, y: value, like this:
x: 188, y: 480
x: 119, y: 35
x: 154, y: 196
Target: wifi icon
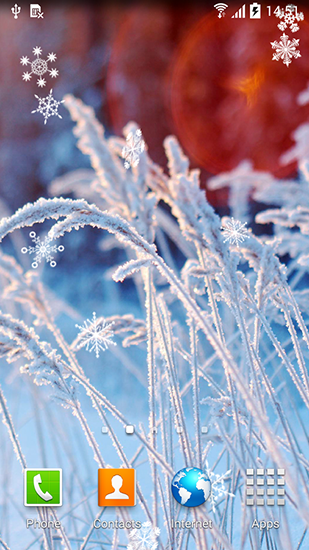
x: 221, y: 8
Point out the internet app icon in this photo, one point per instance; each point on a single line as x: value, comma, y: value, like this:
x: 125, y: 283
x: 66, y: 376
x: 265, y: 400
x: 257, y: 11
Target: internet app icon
x: 43, y: 487
x: 191, y: 487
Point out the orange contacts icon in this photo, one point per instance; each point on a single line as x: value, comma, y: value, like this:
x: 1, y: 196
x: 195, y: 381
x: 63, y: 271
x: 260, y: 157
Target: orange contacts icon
x: 116, y: 487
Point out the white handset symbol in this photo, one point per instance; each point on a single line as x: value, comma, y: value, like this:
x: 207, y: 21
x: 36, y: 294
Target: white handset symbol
x: 37, y: 480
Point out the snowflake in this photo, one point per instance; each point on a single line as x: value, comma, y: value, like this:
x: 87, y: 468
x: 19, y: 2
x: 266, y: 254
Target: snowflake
x: 48, y: 106
x: 134, y: 148
x: 218, y: 488
x: 144, y: 538
x: 96, y: 335
x: 285, y: 49
x: 235, y: 232
x: 290, y: 19
x: 39, y: 66
x: 41, y: 82
x: 42, y: 250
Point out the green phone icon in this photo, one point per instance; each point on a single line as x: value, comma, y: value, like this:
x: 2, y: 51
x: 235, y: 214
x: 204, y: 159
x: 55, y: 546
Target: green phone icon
x: 43, y: 487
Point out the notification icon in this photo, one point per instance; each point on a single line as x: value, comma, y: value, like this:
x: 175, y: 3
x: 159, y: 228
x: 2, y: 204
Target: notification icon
x: 36, y: 11
x: 255, y: 11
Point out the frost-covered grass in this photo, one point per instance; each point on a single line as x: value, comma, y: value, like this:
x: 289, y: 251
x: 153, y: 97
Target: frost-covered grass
x: 222, y: 339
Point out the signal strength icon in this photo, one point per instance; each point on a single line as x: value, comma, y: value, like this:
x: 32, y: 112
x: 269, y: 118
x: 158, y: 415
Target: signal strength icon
x: 241, y: 13
x: 221, y: 8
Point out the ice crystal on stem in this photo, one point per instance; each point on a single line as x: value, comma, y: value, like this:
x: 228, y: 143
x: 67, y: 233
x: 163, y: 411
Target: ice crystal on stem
x: 235, y: 232
x: 285, y: 49
x: 290, y: 19
x: 39, y: 66
x: 218, y: 488
x: 96, y: 335
x: 144, y: 538
x: 42, y: 250
x: 134, y: 148
x: 48, y: 106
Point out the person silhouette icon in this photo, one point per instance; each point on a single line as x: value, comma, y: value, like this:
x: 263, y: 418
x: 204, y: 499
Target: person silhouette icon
x: 117, y: 482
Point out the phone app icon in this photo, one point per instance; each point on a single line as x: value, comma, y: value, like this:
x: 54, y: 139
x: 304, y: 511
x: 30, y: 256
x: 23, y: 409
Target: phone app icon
x: 116, y: 486
x: 43, y: 487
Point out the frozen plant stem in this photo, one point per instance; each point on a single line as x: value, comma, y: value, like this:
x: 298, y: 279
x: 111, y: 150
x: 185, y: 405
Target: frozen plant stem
x: 151, y: 382
x: 243, y: 370
x: 166, y: 345
x: 44, y: 308
x: 17, y: 449
x: 78, y: 213
x: 195, y: 387
x: 4, y: 545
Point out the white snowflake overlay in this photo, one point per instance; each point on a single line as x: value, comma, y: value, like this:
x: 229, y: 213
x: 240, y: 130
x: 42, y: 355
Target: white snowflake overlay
x: 48, y: 106
x: 134, y: 148
x: 42, y: 250
x: 290, y: 19
x: 285, y: 49
x: 144, y: 538
x: 96, y: 335
x: 235, y: 232
x: 218, y: 488
x: 39, y: 66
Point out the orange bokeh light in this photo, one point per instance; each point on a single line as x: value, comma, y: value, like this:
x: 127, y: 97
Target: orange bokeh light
x: 230, y: 101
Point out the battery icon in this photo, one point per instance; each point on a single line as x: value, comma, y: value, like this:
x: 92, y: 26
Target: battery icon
x: 255, y: 11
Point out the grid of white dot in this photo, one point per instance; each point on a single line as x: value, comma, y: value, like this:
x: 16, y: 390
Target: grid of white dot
x: 260, y: 483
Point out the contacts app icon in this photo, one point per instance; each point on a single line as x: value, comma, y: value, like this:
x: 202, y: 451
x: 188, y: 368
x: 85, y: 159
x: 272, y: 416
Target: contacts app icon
x: 116, y: 487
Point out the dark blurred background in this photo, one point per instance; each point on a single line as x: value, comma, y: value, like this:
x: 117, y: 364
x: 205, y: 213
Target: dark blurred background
x: 181, y: 70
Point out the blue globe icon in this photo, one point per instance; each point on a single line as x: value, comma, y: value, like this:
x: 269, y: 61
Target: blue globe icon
x: 191, y: 487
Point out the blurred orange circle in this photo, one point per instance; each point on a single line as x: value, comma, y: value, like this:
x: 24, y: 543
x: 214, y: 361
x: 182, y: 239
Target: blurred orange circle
x: 230, y: 101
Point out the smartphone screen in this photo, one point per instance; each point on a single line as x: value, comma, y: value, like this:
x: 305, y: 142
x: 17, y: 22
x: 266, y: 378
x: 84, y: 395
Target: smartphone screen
x: 154, y: 317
